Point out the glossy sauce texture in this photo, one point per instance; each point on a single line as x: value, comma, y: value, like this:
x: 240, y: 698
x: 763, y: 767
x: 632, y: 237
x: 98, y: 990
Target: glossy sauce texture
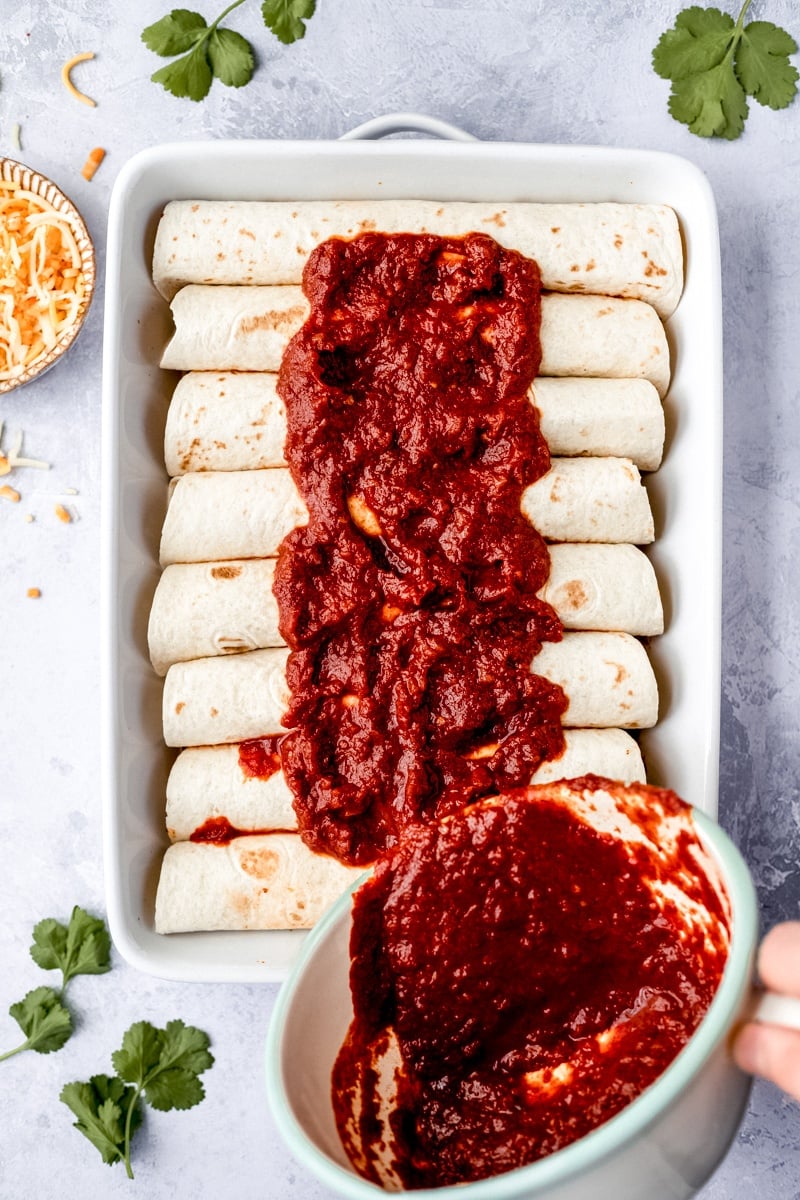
x: 536, y: 973
x: 409, y: 600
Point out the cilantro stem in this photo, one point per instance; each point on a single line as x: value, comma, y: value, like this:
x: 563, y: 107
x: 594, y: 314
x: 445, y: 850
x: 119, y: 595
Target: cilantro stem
x: 16, y: 1050
x: 742, y: 15
x: 738, y: 29
x: 129, y: 1114
x: 230, y: 8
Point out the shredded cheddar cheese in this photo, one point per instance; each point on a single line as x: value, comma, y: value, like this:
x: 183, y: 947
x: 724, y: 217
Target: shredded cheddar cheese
x: 63, y: 514
x: 34, y: 593
x: 69, y: 85
x: 41, y: 281
x: 9, y: 493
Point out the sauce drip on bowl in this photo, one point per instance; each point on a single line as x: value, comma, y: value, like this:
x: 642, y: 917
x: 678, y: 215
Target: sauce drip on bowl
x: 533, y: 963
x: 409, y: 600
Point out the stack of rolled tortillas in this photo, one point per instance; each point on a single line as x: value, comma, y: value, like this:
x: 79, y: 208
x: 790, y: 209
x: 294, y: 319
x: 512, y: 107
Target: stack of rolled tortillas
x: 232, y: 271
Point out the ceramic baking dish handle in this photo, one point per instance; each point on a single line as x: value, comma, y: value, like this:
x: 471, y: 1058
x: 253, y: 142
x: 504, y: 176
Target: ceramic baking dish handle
x: 380, y: 127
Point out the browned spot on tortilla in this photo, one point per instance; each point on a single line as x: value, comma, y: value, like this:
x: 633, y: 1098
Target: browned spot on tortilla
x: 575, y: 267
x: 220, y: 256
x: 261, y: 863
x: 591, y: 264
x: 555, y: 229
x: 273, y: 320
x: 366, y: 226
x: 214, y: 712
x: 294, y: 215
x: 497, y: 218
x: 439, y: 212
x: 180, y: 706
x: 195, y: 207
x: 618, y: 240
x: 620, y: 674
x: 604, y: 312
x: 247, y: 233
x: 573, y: 595
x: 278, y: 233
x: 225, y: 572
x: 220, y: 445
x: 653, y: 269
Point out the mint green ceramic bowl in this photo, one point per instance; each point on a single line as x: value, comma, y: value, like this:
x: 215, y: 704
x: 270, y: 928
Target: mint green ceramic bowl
x: 663, y: 1146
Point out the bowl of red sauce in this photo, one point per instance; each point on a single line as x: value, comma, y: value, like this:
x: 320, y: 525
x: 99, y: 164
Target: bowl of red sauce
x: 530, y: 998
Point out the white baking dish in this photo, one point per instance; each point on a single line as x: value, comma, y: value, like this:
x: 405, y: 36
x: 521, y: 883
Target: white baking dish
x: 681, y: 752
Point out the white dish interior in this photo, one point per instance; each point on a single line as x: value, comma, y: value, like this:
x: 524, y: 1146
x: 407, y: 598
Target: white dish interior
x: 681, y: 752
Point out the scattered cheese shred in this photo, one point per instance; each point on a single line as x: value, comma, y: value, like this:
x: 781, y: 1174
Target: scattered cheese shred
x: 15, y: 142
x: 96, y: 156
x: 9, y: 493
x: 69, y: 85
x: 42, y: 284
x: 34, y: 593
x: 63, y: 514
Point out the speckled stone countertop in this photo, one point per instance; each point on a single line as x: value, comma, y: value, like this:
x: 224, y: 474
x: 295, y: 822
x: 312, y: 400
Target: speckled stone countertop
x: 521, y: 70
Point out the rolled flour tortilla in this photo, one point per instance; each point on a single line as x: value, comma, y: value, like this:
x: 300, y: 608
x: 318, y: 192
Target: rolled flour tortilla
x: 225, y: 421
x: 590, y: 500
x: 248, y: 329
x: 207, y: 781
x: 235, y: 421
x: 218, y: 515
x: 230, y: 514
x: 606, y: 588
x: 604, y: 418
x: 607, y: 678
x: 263, y: 881
x: 610, y: 753
x: 608, y: 249
x: 203, y: 609
x: 211, y: 701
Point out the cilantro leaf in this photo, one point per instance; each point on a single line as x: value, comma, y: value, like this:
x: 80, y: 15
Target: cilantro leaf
x: 188, y: 76
x: 698, y: 42
x: 231, y: 57
x: 711, y: 104
x: 175, y: 33
x: 82, y: 948
x: 165, y: 1063
x: 715, y: 64
x: 286, y: 18
x: 104, y: 1107
x: 762, y: 64
x: 43, y: 1019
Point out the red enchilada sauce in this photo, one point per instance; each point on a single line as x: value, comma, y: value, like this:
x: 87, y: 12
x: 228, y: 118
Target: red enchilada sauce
x: 534, y: 981
x: 409, y: 600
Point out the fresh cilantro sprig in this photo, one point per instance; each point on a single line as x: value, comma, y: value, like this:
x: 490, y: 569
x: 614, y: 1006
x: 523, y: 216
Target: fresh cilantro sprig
x: 81, y: 948
x: 714, y: 65
x: 161, y: 1066
x: 210, y: 52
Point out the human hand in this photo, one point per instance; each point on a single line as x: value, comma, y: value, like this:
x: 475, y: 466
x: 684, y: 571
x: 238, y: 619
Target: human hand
x: 770, y: 1050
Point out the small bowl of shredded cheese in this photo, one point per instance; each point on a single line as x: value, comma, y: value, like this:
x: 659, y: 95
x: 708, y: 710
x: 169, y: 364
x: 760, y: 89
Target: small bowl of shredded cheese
x: 47, y: 274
